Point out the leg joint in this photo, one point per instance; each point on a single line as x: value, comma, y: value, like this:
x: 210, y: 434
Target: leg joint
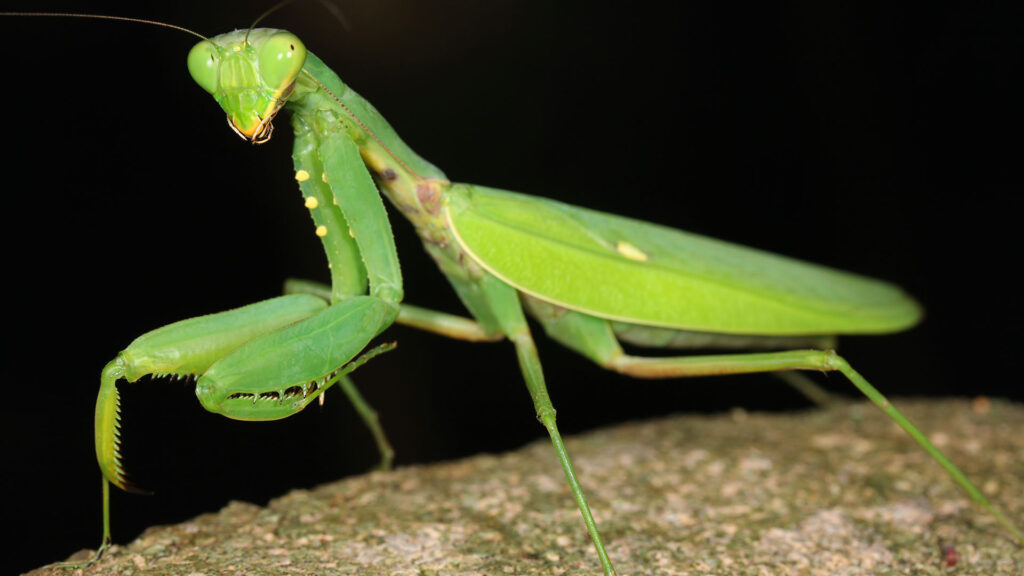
x: 546, y: 416
x: 520, y: 336
x: 833, y: 361
x: 616, y: 362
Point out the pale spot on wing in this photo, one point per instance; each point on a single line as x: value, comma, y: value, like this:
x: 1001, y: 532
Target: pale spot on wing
x: 630, y: 251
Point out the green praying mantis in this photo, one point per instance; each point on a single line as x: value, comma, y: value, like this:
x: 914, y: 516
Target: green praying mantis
x: 604, y: 278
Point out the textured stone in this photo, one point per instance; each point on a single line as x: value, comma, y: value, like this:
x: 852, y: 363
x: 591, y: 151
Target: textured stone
x: 834, y: 491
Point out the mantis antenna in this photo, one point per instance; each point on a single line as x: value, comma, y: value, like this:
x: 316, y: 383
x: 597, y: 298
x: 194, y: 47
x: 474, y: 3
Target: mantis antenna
x: 105, y: 17
x: 327, y: 4
x: 269, y: 11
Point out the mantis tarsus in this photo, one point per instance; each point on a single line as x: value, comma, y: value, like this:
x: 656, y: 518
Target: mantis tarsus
x: 405, y: 257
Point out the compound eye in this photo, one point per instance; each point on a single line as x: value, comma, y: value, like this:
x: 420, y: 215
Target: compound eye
x: 281, y: 58
x: 203, y: 65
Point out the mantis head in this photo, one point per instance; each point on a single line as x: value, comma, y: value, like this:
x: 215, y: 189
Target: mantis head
x: 250, y: 73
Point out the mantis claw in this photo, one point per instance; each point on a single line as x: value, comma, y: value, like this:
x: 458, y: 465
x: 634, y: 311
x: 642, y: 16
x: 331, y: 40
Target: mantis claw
x: 180, y: 351
x: 239, y: 355
x: 273, y: 388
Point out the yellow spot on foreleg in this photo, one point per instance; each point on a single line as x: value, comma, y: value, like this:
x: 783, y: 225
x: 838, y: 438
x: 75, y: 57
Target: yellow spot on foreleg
x: 321, y: 231
x: 630, y: 251
x: 312, y: 202
x: 302, y: 175
x: 323, y: 176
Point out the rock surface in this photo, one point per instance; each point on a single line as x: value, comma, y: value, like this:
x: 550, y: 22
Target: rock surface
x: 834, y: 491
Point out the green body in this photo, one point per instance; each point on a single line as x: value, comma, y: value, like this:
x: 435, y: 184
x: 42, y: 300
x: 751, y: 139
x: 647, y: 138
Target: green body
x: 590, y: 279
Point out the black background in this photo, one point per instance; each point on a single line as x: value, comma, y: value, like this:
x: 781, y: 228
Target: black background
x: 882, y: 141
